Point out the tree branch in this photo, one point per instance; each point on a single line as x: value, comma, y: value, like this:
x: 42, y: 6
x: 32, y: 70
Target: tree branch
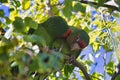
x: 50, y: 13
x: 113, y: 7
x: 105, y: 5
x: 116, y: 72
x: 114, y: 76
x: 81, y: 67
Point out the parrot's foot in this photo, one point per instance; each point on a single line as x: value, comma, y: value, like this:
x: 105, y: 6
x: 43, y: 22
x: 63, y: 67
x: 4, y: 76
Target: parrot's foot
x: 72, y: 59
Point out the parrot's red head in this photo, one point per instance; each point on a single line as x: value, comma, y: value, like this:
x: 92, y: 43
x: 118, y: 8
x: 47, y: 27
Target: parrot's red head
x: 78, y: 39
x: 81, y: 43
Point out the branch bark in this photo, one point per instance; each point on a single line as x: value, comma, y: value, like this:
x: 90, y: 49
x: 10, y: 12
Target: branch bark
x: 105, y: 5
x: 50, y: 10
x: 113, y: 7
x: 116, y: 72
x: 81, y: 67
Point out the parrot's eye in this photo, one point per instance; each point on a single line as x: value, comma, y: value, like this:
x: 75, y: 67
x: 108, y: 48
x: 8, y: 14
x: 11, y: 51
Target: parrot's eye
x: 81, y: 43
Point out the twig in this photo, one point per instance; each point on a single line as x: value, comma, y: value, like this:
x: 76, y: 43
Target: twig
x: 104, y: 58
x: 117, y: 72
x: 50, y: 13
x: 78, y: 64
x: 94, y: 3
x: 105, y: 5
x: 114, y: 76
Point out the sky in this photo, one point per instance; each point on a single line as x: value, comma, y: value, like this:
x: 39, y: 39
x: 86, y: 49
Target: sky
x: 98, y: 65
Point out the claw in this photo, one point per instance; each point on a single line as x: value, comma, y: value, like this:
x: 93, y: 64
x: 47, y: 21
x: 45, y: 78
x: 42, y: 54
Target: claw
x: 71, y: 59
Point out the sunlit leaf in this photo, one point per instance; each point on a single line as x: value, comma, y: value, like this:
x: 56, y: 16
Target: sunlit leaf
x: 96, y: 46
x: 110, y: 68
x: 26, y: 4
x: 13, y: 14
x: 53, y: 2
x: 17, y: 3
x: 97, y: 76
x: 107, y: 47
x: 55, y: 10
x: 93, y: 36
x: 97, y: 22
x: 115, y: 28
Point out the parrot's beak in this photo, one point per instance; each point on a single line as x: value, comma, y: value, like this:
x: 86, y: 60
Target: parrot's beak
x: 75, y: 47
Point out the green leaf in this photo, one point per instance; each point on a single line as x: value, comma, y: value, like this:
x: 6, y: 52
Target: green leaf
x: 107, y: 47
x: 26, y: 4
x: 110, y: 67
x: 46, y: 62
x: 115, y: 28
x: 18, y: 24
x: 8, y: 21
x: 14, y: 41
x: 96, y: 76
x: 68, y: 69
x: 5, y: 69
x: 33, y: 66
x: 1, y: 13
x: 3, y: 1
x: 17, y: 3
x: 35, y: 39
x: 3, y: 57
x: 30, y: 23
x: 67, y: 10
x: 117, y: 2
x: 101, y: 2
x: 95, y: 46
x: 79, y: 7
x: 55, y: 10
x: 118, y: 77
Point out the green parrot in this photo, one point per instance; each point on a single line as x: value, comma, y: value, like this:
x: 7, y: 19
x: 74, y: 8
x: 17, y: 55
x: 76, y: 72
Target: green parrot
x: 56, y: 26
x: 41, y: 31
x: 73, y: 44
x: 53, y: 28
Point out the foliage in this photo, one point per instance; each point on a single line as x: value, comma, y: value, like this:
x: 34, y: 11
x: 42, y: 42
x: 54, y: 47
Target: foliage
x: 20, y: 59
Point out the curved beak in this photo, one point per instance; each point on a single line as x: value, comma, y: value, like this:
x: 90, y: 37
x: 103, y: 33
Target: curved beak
x: 75, y: 47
